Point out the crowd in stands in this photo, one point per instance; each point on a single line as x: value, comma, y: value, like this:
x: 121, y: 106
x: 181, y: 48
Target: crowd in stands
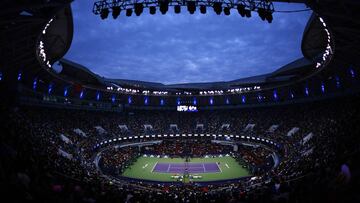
x: 47, y: 153
x: 115, y: 160
x: 258, y: 159
x: 187, y: 148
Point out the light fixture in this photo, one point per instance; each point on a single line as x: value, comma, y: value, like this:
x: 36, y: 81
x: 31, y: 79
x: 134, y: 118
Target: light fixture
x: 152, y: 10
x: 129, y: 12
x: 139, y: 8
x: 241, y: 10
x: 104, y: 13
x: 191, y: 7
x: 177, y: 9
x: 269, y: 17
x: 164, y: 7
x: 202, y: 9
x: 116, y: 11
x: 247, y: 13
x: 227, y: 11
x: 217, y: 7
x: 262, y: 13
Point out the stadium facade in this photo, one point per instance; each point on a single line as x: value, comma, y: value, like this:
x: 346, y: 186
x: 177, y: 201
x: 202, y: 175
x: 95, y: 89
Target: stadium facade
x: 329, y: 66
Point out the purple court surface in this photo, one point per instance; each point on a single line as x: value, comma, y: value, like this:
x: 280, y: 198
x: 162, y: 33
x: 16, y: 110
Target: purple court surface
x: 190, y: 167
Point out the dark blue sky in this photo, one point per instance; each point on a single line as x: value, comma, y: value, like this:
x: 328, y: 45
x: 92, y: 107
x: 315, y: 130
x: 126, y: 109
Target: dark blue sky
x: 182, y: 48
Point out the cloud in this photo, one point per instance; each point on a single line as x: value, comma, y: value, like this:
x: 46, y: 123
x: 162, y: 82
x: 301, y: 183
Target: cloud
x: 180, y: 48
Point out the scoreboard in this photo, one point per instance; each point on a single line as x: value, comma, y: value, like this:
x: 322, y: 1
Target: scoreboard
x: 185, y: 108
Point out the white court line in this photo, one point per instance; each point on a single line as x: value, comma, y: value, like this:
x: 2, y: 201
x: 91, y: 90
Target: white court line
x: 153, y: 167
x: 204, y: 167
x: 218, y: 167
x: 227, y: 165
x: 168, y: 167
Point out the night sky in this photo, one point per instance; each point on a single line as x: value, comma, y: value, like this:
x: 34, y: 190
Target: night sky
x: 183, y: 48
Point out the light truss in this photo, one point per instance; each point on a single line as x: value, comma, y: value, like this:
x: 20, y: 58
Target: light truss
x: 252, y: 5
